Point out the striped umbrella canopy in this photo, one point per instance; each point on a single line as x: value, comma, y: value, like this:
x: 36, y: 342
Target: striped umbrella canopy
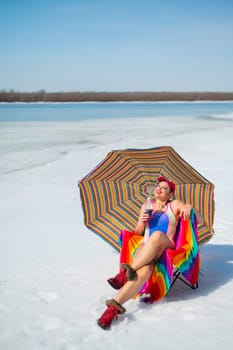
x: 114, y: 191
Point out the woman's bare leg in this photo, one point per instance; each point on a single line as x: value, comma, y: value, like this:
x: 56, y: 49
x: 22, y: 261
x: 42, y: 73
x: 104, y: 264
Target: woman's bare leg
x: 151, y: 250
x: 130, y: 289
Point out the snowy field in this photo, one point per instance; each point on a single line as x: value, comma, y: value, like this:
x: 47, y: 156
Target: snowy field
x: 53, y: 270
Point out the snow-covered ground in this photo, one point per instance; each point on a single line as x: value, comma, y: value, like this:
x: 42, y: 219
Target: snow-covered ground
x: 53, y: 270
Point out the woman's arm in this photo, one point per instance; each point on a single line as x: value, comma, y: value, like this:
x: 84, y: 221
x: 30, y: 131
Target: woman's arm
x: 183, y: 210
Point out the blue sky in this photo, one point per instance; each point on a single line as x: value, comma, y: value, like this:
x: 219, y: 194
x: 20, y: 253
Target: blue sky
x: 118, y: 45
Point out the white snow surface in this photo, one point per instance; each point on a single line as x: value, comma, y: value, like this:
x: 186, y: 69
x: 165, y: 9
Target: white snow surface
x: 53, y: 270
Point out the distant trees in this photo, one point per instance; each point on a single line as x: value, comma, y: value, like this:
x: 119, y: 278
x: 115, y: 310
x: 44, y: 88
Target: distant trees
x: 13, y: 96
x: 43, y: 96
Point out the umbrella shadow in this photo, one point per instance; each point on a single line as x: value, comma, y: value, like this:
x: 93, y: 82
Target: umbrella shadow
x: 216, y: 270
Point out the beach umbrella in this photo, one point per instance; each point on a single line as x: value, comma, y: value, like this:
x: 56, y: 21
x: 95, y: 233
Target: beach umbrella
x: 113, y: 192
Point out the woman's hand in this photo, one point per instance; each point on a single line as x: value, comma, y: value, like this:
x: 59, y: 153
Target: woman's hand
x: 143, y: 218
x: 185, y: 211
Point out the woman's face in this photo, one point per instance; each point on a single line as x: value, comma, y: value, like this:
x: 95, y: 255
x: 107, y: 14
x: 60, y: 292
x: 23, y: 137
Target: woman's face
x: 162, y: 191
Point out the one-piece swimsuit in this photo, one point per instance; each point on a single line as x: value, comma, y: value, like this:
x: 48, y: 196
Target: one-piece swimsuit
x: 163, y: 221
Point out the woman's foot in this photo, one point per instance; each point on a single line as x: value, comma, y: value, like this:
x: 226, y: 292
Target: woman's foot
x: 127, y: 273
x: 119, y: 280
x: 110, y: 314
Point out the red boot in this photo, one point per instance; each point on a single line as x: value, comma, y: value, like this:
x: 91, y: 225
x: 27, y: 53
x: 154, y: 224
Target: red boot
x: 127, y: 273
x: 119, y: 280
x: 110, y: 314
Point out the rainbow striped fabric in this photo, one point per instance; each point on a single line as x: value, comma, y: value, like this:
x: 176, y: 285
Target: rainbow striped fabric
x: 185, y: 257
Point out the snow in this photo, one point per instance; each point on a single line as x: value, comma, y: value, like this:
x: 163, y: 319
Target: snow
x: 53, y: 270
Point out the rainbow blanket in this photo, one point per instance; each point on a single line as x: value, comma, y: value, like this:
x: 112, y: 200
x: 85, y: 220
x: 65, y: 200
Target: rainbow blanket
x: 185, y: 257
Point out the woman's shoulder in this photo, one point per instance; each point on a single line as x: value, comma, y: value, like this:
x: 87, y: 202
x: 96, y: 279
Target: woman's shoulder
x: 177, y: 202
x: 176, y: 205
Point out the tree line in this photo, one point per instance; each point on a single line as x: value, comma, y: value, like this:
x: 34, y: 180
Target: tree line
x: 43, y: 96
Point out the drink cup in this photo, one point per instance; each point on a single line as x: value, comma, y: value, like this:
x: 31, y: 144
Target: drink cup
x: 149, y: 212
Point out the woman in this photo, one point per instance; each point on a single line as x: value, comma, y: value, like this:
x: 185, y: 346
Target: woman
x: 159, y: 236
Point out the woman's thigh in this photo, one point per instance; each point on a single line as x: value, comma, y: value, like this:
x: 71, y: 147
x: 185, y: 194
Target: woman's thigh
x: 138, y: 251
x: 161, y: 242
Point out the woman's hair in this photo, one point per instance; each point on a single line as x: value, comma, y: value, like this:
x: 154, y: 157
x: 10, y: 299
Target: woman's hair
x: 171, y: 184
